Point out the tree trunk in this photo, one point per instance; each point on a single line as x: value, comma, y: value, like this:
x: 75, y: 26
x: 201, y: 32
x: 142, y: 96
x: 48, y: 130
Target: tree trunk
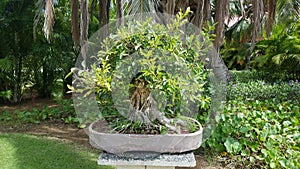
x: 198, y: 19
x: 75, y: 23
x: 181, y: 5
x: 221, y: 12
x: 220, y: 69
x: 19, y: 78
x: 257, y: 15
x: 143, y: 108
x: 17, y: 69
x: 104, y: 17
x: 270, y: 9
x: 119, y: 13
x: 207, y: 12
x: 171, y: 7
x: 84, y: 21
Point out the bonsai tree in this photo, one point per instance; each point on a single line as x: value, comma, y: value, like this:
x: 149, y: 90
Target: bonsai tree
x: 148, y: 77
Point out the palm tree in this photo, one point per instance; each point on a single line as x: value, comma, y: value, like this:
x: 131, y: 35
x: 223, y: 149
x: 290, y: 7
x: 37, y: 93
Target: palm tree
x: 260, y: 13
x: 16, y: 42
x: 257, y: 17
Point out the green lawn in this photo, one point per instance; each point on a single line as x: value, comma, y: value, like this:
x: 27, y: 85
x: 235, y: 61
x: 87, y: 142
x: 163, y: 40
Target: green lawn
x: 21, y: 151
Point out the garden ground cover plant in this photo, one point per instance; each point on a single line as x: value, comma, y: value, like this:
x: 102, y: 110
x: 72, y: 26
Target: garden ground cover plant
x: 259, y: 126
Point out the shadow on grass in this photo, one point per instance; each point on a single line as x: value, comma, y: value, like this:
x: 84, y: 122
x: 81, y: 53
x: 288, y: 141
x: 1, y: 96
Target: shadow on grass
x: 21, y: 151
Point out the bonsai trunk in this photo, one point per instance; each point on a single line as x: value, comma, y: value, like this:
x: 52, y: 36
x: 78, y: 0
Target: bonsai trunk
x: 144, y: 108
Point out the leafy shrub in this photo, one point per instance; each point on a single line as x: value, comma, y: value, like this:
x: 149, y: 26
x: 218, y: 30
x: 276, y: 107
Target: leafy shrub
x: 280, y: 54
x: 234, y: 54
x: 245, y: 76
x: 260, y: 90
x: 6, y: 95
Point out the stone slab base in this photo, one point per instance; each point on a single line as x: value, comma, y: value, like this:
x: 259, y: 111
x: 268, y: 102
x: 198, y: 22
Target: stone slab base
x: 143, y: 161
x: 142, y: 167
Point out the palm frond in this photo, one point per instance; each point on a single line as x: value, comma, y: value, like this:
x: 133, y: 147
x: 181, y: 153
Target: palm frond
x: 49, y: 19
x: 288, y: 10
x: 5, y: 64
x: 39, y: 7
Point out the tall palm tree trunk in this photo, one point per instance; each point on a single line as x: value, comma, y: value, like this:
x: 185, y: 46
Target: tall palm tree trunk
x: 83, y: 21
x: 171, y: 7
x: 75, y: 23
x: 119, y: 13
x: 104, y: 17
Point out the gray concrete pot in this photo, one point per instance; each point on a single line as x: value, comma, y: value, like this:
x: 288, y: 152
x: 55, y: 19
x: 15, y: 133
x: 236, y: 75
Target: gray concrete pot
x: 126, y: 143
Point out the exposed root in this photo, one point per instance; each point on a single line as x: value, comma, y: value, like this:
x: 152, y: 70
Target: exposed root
x: 144, y: 108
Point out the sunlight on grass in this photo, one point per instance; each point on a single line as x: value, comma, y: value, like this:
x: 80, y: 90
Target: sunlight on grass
x: 7, y: 153
x: 20, y: 151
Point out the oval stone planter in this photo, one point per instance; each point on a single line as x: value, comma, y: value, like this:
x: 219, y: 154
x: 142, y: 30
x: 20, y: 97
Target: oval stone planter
x: 167, y: 143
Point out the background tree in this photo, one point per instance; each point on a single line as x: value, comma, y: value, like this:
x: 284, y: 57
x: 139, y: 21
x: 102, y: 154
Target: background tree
x: 251, y: 21
x: 16, y: 27
x: 243, y: 25
x: 29, y: 63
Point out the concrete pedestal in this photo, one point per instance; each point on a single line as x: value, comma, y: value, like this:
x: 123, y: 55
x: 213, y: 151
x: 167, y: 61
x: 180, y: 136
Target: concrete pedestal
x: 161, y: 161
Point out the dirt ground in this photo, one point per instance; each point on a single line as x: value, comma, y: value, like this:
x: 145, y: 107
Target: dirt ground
x: 58, y: 130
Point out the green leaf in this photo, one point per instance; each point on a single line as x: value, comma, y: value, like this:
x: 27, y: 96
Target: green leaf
x: 264, y: 151
x: 228, y: 145
x: 282, y: 162
x: 272, y: 165
x: 237, y: 147
x: 245, y: 153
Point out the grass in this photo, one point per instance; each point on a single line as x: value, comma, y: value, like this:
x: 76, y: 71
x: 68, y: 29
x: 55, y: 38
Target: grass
x: 21, y: 151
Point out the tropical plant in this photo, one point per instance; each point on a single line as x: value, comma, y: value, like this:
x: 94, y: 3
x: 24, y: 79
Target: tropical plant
x: 280, y: 54
x: 16, y: 42
x: 253, y: 21
x: 28, y: 62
